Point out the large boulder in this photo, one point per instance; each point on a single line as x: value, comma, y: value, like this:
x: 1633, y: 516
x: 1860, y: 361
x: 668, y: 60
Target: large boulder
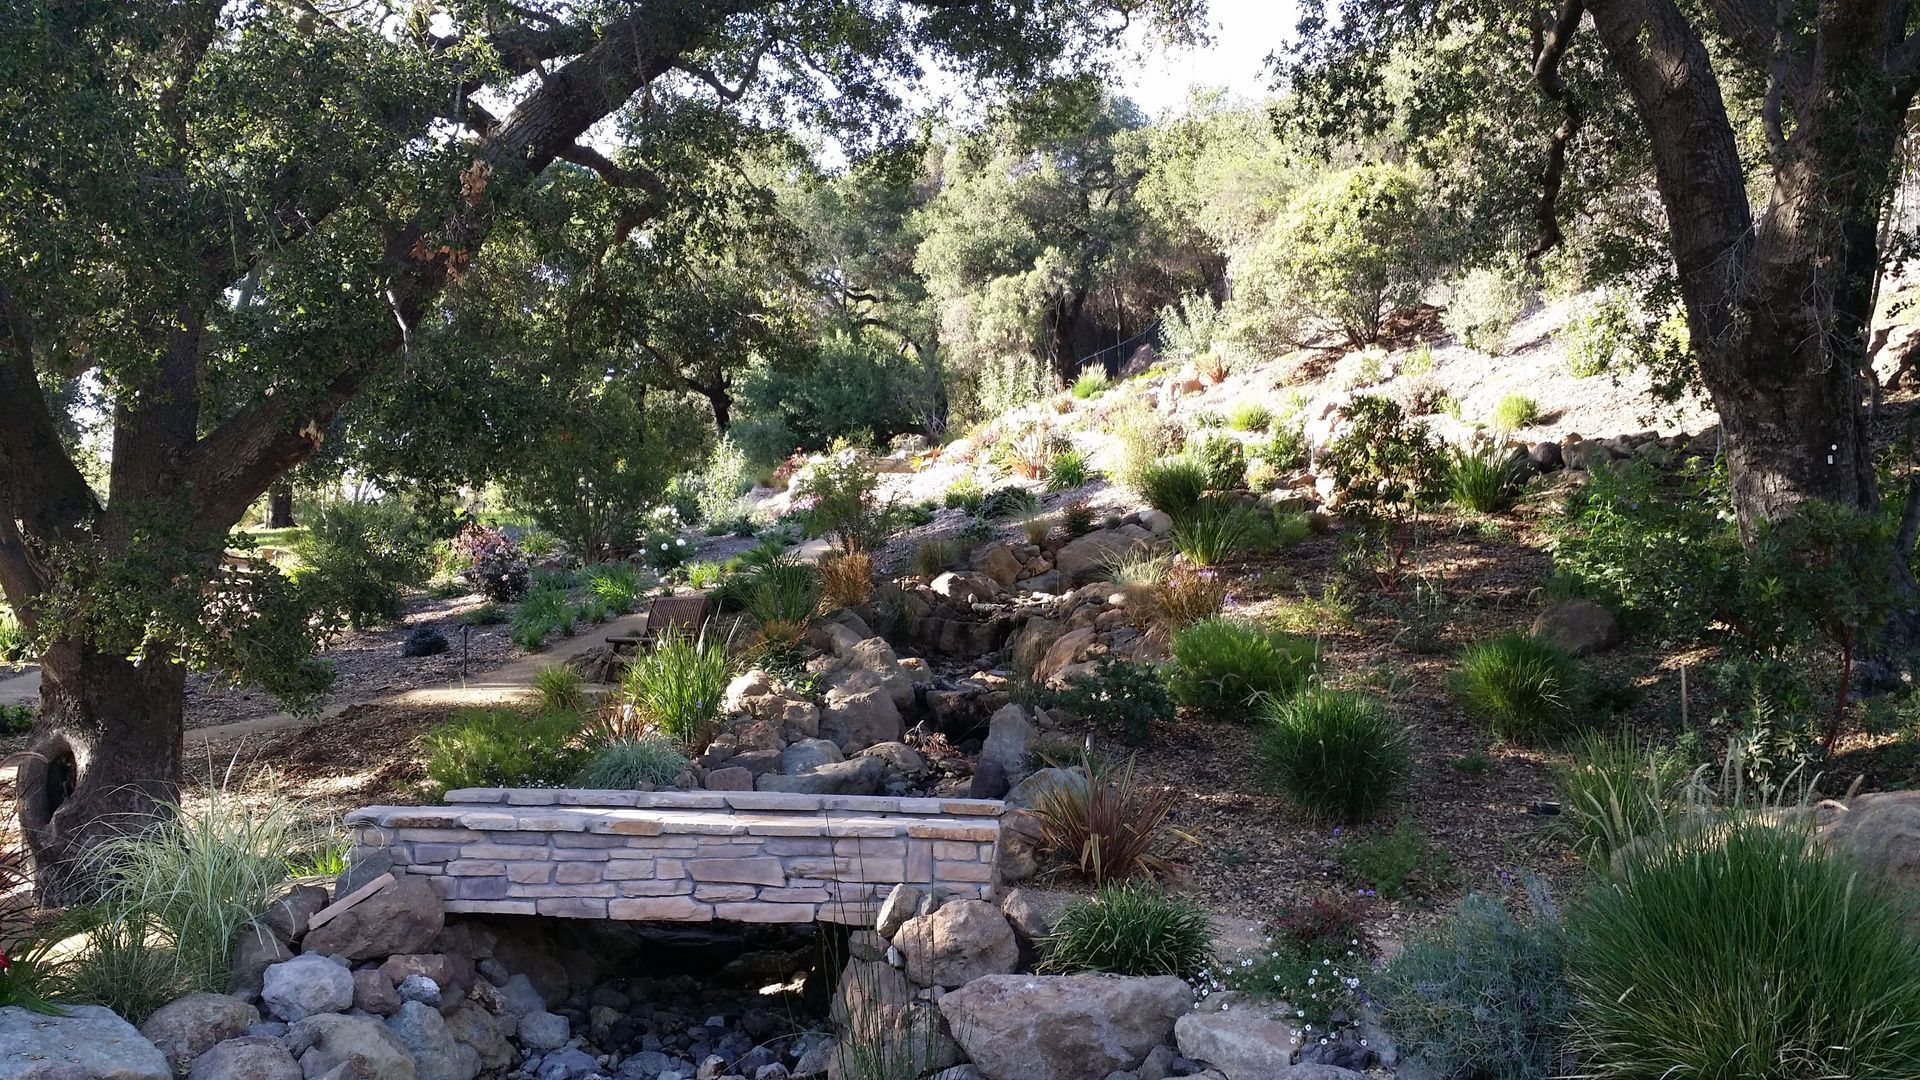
x: 1083, y: 559
x: 872, y: 664
x: 1063, y: 1027
x: 960, y: 941
x: 1032, y: 641
x: 307, y: 984
x: 186, y: 1028
x: 963, y: 588
x: 401, y: 918
x: 1881, y: 831
x: 437, y: 1055
x: 856, y: 719
x: 89, y: 1042
x: 1244, y: 1039
x: 250, y: 1057
x: 1065, y: 651
x: 1009, y: 740
x: 255, y: 948
x: 998, y: 562
x: 361, y: 1043
x: 1578, y: 626
x: 860, y: 776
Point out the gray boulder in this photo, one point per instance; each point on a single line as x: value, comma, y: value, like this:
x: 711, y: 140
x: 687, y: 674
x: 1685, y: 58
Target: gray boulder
x: 856, y: 719
x: 401, y: 918
x: 185, y: 1028
x: 1084, y: 559
x: 472, y: 1026
x: 255, y: 948
x: 358, y: 1045
x: 543, y: 1030
x: 90, y: 1042
x: 902, y: 903
x: 960, y: 941
x: 1063, y: 1027
x: 436, y: 1053
x: 861, y: 776
x: 1242, y: 1038
x: 1578, y: 626
x: 298, y: 988
x: 1009, y: 740
x: 249, y: 1057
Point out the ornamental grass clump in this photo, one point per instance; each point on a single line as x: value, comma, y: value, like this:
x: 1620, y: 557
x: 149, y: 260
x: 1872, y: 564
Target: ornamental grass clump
x: 1101, y: 822
x: 1338, y: 754
x: 1130, y: 929
x: 560, y: 689
x: 503, y: 748
x: 678, y: 688
x: 646, y: 763
x: 1224, y: 669
x: 1521, y: 688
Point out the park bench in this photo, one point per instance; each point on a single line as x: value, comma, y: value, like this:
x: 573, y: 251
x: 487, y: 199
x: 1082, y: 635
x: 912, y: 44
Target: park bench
x: 665, y: 615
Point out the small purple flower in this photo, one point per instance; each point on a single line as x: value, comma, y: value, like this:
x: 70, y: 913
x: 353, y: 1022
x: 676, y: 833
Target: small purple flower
x: 1336, y: 830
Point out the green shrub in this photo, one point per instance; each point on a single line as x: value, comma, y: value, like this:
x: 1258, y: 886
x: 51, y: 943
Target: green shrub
x: 1615, y: 789
x: 1007, y: 501
x: 1482, y: 994
x: 1174, y: 486
x: 1417, y: 362
x: 1091, y: 382
x: 976, y: 531
x: 1319, y: 950
x: 679, y: 686
x: 666, y: 552
x: 1216, y: 531
x: 1287, y: 450
x: 1388, y: 862
x: 1487, y: 477
x: 965, y: 494
x: 1513, y: 412
x: 1070, y: 470
x: 1224, y: 669
x: 504, y: 748
x: 1142, y: 437
x: 1249, y: 416
x: 1131, y: 930
x: 1336, y: 753
x: 840, y: 489
x: 935, y: 555
x: 124, y: 965
x: 617, y: 584
x: 645, y: 763
x: 1521, y: 688
x: 1648, y: 546
x: 1597, y: 338
x: 728, y: 475
x: 1383, y: 464
x: 16, y: 718
x: 1290, y: 527
x: 488, y: 614
x: 705, y: 574
x: 560, y: 689
x: 1485, y: 305
x: 1187, y: 327
x: 1076, y: 519
x: 361, y: 555
x: 544, y: 611
x: 1745, y: 951
x: 1222, y: 460
x: 16, y: 645
x: 1122, y: 696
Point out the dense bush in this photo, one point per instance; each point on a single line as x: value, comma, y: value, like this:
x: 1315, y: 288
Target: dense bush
x: 495, y: 563
x: 616, y: 584
x: 1188, y: 326
x: 560, y: 689
x: 504, y: 748
x: 650, y: 762
x: 782, y: 599
x: 1131, y: 930
x: 1141, y: 438
x: 360, y: 556
x: 1092, y: 381
x: 965, y: 494
x: 1486, y: 303
x: 838, y: 490
x: 1384, y: 465
x: 1317, y: 952
x: 1486, y: 477
x: 424, y: 641
x: 1007, y: 501
x: 1070, y: 470
x: 1122, y: 696
x: 678, y: 687
x: 1745, y: 951
x: 16, y: 645
x: 543, y: 611
x: 1222, y: 460
x: 1338, y: 754
x: 1482, y: 994
x: 1600, y: 337
x: 666, y: 552
x: 1249, y: 416
x: 847, y: 386
x: 1647, y: 546
x: 1521, y: 688
x: 1224, y: 669
x: 1174, y: 486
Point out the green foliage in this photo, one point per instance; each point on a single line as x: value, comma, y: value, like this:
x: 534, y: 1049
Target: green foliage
x: 616, y: 584
x: 1287, y: 450
x: 1746, y: 950
x: 1338, y: 754
x: 1188, y: 327
x: 782, y: 597
x: 360, y: 556
x: 1383, y: 465
x: 1008, y: 501
x: 1174, y: 487
x: 1599, y: 338
x: 666, y: 551
x: 1520, y: 688
x: 646, y: 763
x: 1142, y: 439
x: 1647, y: 546
x: 1616, y: 789
x: 1215, y: 531
x: 1346, y: 251
x: 1249, y: 416
x: 1417, y: 362
x: 1222, y: 460
x: 1483, y: 994
x: 542, y: 612
x: 1128, y: 698
x: 1485, y: 305
x: 560, y: 689
x: 1318, y: 950
x: 1389, y: 862
x: 488, y: 614
x: 1092, y: 382
x: 1487, y: 477
x: 839, y: 491
x: 1224, y: 669
x: 728, y: 475
x: 504, y: 748
x: 858, y: 387
x: 679, y: 687
x: 1076, y: 518
x: 965, y: 494
x: 16, y: 645
x: 1070, y: 470
x: 16, y: 718
x: 935, y: 555
x: 1513, y: 412
x: 1131, y: 929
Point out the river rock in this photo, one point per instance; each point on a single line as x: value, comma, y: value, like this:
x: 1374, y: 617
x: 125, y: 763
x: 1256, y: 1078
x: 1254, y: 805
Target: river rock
x: 90, y: 1042
x: 437, y: 1055
x: 307, y: 984
x: 1063, y: 1027
x: 361, y: 1045
x: 960, y: 941
x: 1242, y: 1038
x: 187, y: 1027
x: 250, y: 1057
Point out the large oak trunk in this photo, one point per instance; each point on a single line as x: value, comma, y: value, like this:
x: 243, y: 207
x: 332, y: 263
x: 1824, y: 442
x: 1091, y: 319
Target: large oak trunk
x: 105, y: 757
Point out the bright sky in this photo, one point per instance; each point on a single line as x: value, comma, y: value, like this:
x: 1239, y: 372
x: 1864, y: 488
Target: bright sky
x: 1244, y: 32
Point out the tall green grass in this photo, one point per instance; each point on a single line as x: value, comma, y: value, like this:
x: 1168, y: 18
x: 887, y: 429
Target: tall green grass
x: 1617, y: 788
x: 504, y: 748
x: 678, y: 687
x: 1486, y: 478
x: 1521, y: 688
x: 1225, y: 669
x: 1338, y: 754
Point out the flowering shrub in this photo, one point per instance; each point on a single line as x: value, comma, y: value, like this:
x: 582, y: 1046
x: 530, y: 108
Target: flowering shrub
x: 495, y: 563
x: 666, y: 552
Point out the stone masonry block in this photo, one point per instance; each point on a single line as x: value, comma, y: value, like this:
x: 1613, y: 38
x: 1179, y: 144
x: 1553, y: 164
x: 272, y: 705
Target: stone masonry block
x: 763, y: 870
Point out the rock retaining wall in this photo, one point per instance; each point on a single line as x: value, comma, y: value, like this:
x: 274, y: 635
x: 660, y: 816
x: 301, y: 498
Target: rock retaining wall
x: 687, y: 856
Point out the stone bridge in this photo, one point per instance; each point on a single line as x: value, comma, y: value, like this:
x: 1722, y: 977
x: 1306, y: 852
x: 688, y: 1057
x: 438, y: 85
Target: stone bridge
x: 688, y: 856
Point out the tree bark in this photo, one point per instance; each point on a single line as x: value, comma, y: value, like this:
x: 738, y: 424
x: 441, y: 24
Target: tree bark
x: 280, y: 506
x: 104, y: 760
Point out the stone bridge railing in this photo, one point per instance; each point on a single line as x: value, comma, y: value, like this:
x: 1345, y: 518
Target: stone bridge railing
x: 688, y: 856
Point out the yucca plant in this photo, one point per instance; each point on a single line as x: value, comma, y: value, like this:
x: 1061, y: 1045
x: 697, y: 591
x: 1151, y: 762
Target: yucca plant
x: 1107, y: 825
x: 678, y: 687
x: 1487, y: 477
x: 1131, y: 929
x: 1338, y: 754
x: 1520, y: 687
